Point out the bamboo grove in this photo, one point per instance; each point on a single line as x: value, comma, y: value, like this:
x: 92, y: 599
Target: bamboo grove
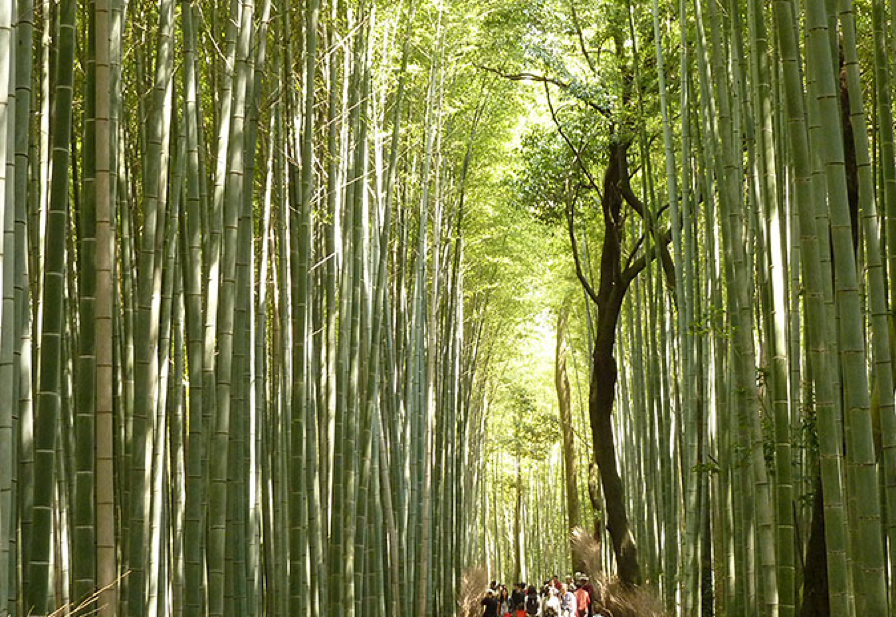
x: 232, y: 319
x: 268, y: 265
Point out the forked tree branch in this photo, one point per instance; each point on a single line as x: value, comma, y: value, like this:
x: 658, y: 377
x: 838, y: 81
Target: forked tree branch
x: 527, y: 76
x: 592, y: 182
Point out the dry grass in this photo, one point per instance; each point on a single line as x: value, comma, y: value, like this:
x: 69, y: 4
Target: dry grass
x: 587, y: 549
x: 472, y: 587
x: 612, y: 597
x: 622, y: 601
x: 88, y: 606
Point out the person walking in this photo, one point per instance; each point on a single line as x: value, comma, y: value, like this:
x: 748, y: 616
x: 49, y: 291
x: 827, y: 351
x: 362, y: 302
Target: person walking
x: 586, y: 584
x: 490, y: 602
x: 531, y: 601
x: 504, y: 602
x: 518, y: 600
x: 583, y: 601
x: 552, y: 603
x: 568, y: 606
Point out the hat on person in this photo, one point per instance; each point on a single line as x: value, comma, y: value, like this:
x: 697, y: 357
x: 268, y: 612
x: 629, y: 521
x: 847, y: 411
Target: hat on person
x: 490, y: 592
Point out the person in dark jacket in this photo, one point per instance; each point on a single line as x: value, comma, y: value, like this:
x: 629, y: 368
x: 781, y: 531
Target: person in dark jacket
x: 490, y: 602
x: 532, y: 601
x: 517, y: 598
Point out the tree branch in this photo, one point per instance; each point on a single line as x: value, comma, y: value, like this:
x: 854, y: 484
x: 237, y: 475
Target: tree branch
x: 524, y: 76
x: 575, y: 252
x: 592, y: 182
x: 631, y: 255
x: 634, y: 268
x: 527, y: 76
x: 575, y: 23
x: 650, y: 220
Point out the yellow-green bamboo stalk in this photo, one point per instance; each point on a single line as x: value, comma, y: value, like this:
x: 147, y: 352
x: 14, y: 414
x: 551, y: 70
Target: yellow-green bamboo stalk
x: 887, y: 201
x: 48, y: 405
x: 22, y: 323
x: 149, y: 284
x: 233, y: 199
x: 778, y: 350
x: 84, y: 570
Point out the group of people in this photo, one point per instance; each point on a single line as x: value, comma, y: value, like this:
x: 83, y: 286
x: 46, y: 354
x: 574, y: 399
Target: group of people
x: 573, y: 598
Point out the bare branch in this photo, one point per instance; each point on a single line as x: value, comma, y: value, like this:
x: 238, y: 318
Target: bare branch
x: 634, y: 251
x: 527, y: 76
x: 632, y: 199
x: 592, y: 183
x: 651, y: 221
x: 634, y: 268
x: 524, y: 76
x: 575, y: 252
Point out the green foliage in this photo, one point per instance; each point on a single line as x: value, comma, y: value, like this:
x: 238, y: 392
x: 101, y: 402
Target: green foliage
x: 712, y: 321
x: 551, y: 177
x: 709, y: 467
x: 530, y: 430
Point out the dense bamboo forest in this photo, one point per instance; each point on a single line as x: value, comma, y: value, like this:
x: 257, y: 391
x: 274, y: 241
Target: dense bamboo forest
x: 345, y: 308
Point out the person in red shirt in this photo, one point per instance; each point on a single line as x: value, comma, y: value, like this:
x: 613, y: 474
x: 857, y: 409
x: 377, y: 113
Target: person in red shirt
x: 583, y: 602
x: 587, y: 586
x: 586, y: 583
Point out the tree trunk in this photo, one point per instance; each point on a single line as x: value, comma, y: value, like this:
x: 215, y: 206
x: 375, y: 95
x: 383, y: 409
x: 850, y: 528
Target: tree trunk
x: 600, y: 407
x: 602, y: 394
x: 816, y: 602
x: 517, y: 525
x: 561, y: 381
x: 594, y: 497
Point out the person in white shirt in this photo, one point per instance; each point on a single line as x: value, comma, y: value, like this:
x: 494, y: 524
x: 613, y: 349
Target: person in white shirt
x: 568, y: 606
x: 551, y: 604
